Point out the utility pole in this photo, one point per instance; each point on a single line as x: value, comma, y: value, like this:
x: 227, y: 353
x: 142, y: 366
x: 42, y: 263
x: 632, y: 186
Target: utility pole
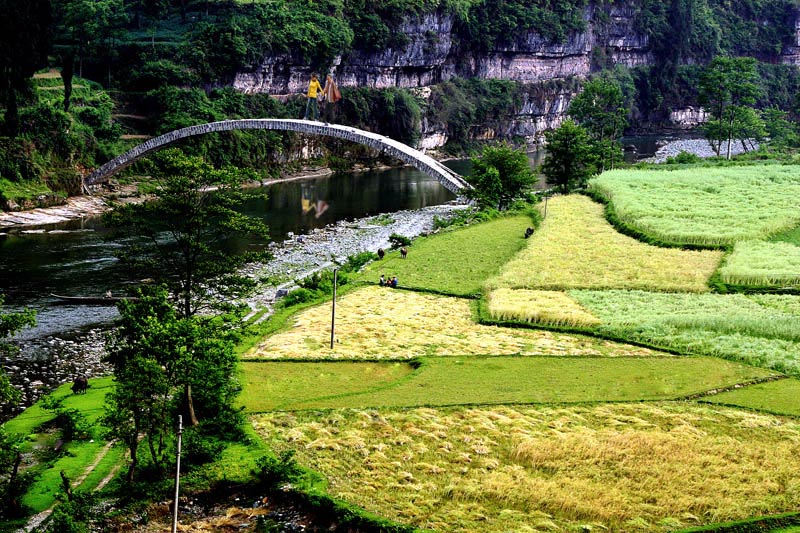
x: 333, y: 307
x: 177, y: 476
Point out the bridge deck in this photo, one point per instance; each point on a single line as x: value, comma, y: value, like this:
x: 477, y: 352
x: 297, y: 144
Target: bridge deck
x: 449, y: 179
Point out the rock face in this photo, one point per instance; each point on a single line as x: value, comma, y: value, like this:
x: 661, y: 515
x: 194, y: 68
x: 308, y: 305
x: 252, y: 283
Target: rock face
x: 432, y: 56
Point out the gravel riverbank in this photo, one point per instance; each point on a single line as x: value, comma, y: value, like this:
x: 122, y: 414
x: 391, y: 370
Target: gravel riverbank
x: 698, y: 147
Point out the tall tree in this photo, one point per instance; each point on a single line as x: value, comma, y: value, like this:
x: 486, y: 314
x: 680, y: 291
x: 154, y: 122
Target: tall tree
x: 728, y: 87
x: 600, y: 109
x: 24, y: 45
x: 569, y: 161
x: 180, y: 238
x: 499, y: 176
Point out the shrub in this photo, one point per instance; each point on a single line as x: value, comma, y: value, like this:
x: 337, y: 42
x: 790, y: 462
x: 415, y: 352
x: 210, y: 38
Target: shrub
x: 398, y: 241
x: 274, y: 470
x: 683, y: 158
x: 298, y: 296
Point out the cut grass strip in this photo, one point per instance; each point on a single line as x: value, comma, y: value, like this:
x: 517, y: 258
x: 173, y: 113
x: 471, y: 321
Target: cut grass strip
x: 551, y: 308
x: 383, y: 323
x: 780, y: 397
x: 576, y: 247
x: 454, y: 262
x: 708, y: 206
x: 485, y: 381
x: 620, y: 467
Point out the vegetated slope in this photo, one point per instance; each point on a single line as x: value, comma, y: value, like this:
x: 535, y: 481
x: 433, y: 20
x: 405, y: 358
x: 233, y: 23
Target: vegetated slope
x: 455, y: 262
x: 763, y: 264
x: 654, y: 467
x: 384, y: 323
x: 576, y: 247
x: 705, y: 206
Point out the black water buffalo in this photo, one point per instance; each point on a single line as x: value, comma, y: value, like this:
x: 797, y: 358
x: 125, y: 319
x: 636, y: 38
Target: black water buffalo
x: 80, y: 385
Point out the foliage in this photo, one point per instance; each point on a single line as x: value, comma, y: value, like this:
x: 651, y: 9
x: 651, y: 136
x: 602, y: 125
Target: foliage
x: 576, y: 247
x: 618, y: 466
x: 455, y: 262
x: 180, y: 239
x: 73, y: 514
x: 165, y: 364
x: 712, y: 207
x: 72, y: 422
x: 760, y: 330
x: 398, y: 241
x: 600, y: 110
x: 683, y: 158
x: 499, y: 176
x: 274, y: 471
x: 727, y: 87
x: 569, y: 162
x: 381, y: 323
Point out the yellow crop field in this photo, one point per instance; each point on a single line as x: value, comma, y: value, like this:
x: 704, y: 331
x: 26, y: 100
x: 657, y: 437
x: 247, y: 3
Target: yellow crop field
x: 550, y: 308
x: 620, y: 467
x: 577, y: 248
x: 382, y: 323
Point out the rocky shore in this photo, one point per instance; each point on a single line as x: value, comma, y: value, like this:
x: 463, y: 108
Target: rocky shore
x: 698, y: 147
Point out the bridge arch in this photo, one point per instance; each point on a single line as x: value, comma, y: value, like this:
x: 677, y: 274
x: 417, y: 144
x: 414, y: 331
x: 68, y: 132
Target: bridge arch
x: 424, y: 163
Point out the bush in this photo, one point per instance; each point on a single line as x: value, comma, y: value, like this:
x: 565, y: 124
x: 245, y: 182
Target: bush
x: 398, y: 241
x: 298, y: 296
x: 683, y: 158
x: 200, y: 448
x: 273, y: 471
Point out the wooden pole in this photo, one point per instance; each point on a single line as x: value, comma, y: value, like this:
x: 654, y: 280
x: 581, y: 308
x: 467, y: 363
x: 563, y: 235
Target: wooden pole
x: 333, y: 307
x: 177, y: 476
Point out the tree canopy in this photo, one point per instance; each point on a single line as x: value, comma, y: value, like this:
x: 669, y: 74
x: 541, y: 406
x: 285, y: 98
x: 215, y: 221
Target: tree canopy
x: 499, y: 176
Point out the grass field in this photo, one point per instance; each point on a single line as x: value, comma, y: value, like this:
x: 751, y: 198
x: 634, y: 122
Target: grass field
x: 381, y: 323
x: 623, y: 467
x: 443, y: 381
x: 709, y: 206
x: 762, y: 263
x: 780, y: 397
x: 454, y: 262
x: 576, y: 247
x: 760, y: 330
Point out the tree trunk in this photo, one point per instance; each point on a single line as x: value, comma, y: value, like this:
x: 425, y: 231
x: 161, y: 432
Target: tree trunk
x: 67, y: 72
x: 133, y: 447
x: 190, y: 406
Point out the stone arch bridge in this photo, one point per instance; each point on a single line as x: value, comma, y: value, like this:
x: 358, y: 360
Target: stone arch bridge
x: 426, y: 164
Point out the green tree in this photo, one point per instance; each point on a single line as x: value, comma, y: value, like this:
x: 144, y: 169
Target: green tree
x: 600, y: 109
x: 11, y: 481
x: 25, y: 43
x: 569, y: 162
x: 728, y: 87
x: 499, y: 176
x: 158, y: 355
x: 180, y: 239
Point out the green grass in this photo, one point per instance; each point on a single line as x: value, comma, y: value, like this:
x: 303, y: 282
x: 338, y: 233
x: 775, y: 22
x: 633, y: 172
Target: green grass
x: 791, y: 236
x: 762, y: 264
x: 707, y: 207
x: 25, y: 190
x: 454, y: 262
x: 780, y: 397
x: 485, y: 381
x: 761, y: 330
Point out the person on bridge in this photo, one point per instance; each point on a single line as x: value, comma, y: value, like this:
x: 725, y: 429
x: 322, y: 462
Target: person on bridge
x: 330, y: 97
x: 311, y: 97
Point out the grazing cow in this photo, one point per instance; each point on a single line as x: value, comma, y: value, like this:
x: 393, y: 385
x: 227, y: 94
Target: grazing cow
x: 80, y: 385
x: 381, y: 253
x: 528, y: 232
x: 403, y: 252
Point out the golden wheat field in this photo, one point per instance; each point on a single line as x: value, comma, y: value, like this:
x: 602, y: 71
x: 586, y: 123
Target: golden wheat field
x: 551, y: 308
x: 577, y: 248
x: 621, y: 467
x: 381, y: 323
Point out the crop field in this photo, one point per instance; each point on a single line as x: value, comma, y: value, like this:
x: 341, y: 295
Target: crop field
x: 779, y: 397
x: 576, y: 247
x: 454, y: 262
x: 546, y: 308
x: 624, y: 467
x: 761, y: 330
x: 710, y: 207
x: 762, y: 263
x: 443, y: 381
x: 383, y: 323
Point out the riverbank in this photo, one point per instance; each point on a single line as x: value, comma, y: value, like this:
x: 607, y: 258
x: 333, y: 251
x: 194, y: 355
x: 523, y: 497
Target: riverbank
x: 698, y: 147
